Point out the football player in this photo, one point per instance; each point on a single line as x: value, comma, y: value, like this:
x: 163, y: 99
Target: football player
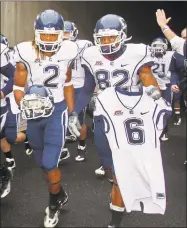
x: 179, y: 44
x: 44, y: 64
x: 178, y: 68
x: 110, y: 63
x: 71, y: 33
x: 7, y: 69
x: 10, y: 132
x: 162, y: 60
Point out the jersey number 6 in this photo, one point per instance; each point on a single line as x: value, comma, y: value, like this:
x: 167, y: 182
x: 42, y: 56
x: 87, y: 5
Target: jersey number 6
x: 55, y: 72
x: 135, y: 134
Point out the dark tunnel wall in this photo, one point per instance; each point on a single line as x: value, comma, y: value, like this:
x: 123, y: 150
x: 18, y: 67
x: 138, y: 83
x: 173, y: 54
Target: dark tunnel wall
x: 17, y: 18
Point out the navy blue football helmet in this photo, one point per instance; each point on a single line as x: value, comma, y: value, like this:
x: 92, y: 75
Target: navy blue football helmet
x: 159, y: 47
x: 4, y: 40
x: 113, y: 26
x: 38, y: 102
x: 49, y: 22
x: 70, y: 31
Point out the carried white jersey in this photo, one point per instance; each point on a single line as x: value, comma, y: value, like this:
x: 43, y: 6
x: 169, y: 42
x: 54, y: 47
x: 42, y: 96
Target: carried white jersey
x: 5, y: 59
x: 47, y: 71
x: 78, y: 73
x: 133, y: 124
x: 121, y: 72
x: 162, y: 65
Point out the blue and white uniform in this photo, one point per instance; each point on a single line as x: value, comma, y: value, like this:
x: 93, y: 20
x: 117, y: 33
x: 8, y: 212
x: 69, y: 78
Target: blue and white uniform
x: 47, y: 135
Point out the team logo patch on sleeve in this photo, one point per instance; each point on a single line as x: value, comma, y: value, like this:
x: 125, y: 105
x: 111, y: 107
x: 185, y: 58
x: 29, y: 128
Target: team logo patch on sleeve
x: 118, y: 113
x: 98, y: 63
x: 160, y: 196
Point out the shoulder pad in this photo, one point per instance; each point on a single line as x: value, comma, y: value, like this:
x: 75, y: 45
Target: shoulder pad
x: 68, y: 50
x: 91, y: 52
x: 23, y: 51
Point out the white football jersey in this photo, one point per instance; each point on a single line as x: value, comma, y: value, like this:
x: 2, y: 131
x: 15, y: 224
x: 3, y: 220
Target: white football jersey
x: 162, y: 65
x: 121, y: 72
x: 5, y: 59
x: 133, y: 124
x: 47, y: 71
x: 78, y: 73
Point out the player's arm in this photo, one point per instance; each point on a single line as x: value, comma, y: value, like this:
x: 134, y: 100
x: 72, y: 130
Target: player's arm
x: 8, y: 71
x: 20, y: 77
x: 86, y: 91
x: 81, y: 102
x: 69, y: 91
x: 178, y: 44
x: 146, y: 77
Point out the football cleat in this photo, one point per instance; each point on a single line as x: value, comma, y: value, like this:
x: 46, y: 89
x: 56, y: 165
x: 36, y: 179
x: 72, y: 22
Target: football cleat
x: 100, y: 171
x: 65, y: 154
x: 52, y: 212
x: 81, y: 153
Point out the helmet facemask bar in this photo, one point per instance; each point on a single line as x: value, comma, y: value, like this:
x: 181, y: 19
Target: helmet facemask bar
x: 33, y: 106
x: 71, y: 36
x: 48, y: 46
x: 121, y: 37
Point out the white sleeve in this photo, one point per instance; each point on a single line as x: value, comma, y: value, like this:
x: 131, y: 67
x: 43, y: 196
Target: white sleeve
x: 5, y: 58
x: 16, y: 55
x: 177, y: 44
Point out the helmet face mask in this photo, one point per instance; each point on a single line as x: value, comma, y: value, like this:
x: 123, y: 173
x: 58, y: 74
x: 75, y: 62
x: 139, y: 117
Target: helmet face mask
x: 48, y: 46
x: 111, y: 47
x: 35, y: 105
x: 159, y: 48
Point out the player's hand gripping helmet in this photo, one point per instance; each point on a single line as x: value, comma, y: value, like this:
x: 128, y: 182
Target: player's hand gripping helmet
x: 38, y: 102
x: 70, y: 31
x: 113, y: 27
x: 4, y: 40
x: 159, y: 47
x: 49, y: 26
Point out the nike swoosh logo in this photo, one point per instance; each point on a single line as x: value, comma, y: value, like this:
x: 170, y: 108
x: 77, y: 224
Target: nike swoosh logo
x: 143, y: 113
x: 124, y: 65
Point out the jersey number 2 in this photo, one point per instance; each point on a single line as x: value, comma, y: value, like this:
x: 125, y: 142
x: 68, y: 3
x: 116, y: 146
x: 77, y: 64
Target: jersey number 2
x: 135, y: 134
x: 54, y: 69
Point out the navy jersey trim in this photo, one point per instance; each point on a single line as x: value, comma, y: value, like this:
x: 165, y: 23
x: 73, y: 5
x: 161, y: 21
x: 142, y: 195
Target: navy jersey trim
x: 155, y: 126
x: 27, y: 64
x: 167, y: 113
x: 130, y: 108
x: 90, y: 67
x: 138, y: 64
x: 110, y: 121
x: 3, y: 50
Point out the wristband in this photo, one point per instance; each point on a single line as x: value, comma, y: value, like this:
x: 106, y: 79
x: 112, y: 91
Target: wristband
x: 165, y: 28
